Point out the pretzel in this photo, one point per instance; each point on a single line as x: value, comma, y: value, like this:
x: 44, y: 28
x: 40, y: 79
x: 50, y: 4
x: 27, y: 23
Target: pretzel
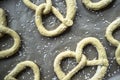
x: 96, y: 5
x: 82, y: 61
x: 47, y: 7
x: 5, y: 30
x: 110, y: 29
x: 20, y: 67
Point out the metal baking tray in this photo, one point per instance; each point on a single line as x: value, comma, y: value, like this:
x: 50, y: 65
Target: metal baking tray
x: 43, y: 50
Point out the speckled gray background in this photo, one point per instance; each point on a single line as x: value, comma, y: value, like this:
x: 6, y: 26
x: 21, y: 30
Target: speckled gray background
x: 43, y: 50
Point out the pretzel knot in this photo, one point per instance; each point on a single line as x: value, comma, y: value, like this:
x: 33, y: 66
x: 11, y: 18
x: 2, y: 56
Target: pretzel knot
x: 96, y: 5
x: 109, y: 31
x: 20, y: 67
x: 67, y: 22
x: 47, y: 7
x: 5, y: 30
x: 82, y: 61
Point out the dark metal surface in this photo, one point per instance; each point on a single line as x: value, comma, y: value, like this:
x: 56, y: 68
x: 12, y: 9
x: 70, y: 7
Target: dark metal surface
x: 43, y: 50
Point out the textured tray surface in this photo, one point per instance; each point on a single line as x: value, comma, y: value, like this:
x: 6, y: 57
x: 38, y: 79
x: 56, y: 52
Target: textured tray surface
x: 43, y: 50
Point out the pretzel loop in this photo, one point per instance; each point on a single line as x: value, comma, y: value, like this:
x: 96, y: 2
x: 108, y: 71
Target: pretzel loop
x: 8, y: 52
x: 96, y: 43
x: 67, y: 54
x: 45, y: 8
x: 5, y: 30
x: 102, y: 58
x: 109, y: 31
x: 96, y: 5
x: 20, y: 67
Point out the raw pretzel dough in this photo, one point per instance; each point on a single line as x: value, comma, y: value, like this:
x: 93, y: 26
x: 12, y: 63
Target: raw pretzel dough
x: 20, y: 67
x: 110, y: 29
x: 45, y: 8
x: 5, y: 30
x: 102, y: 61
x: 96, y: 5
